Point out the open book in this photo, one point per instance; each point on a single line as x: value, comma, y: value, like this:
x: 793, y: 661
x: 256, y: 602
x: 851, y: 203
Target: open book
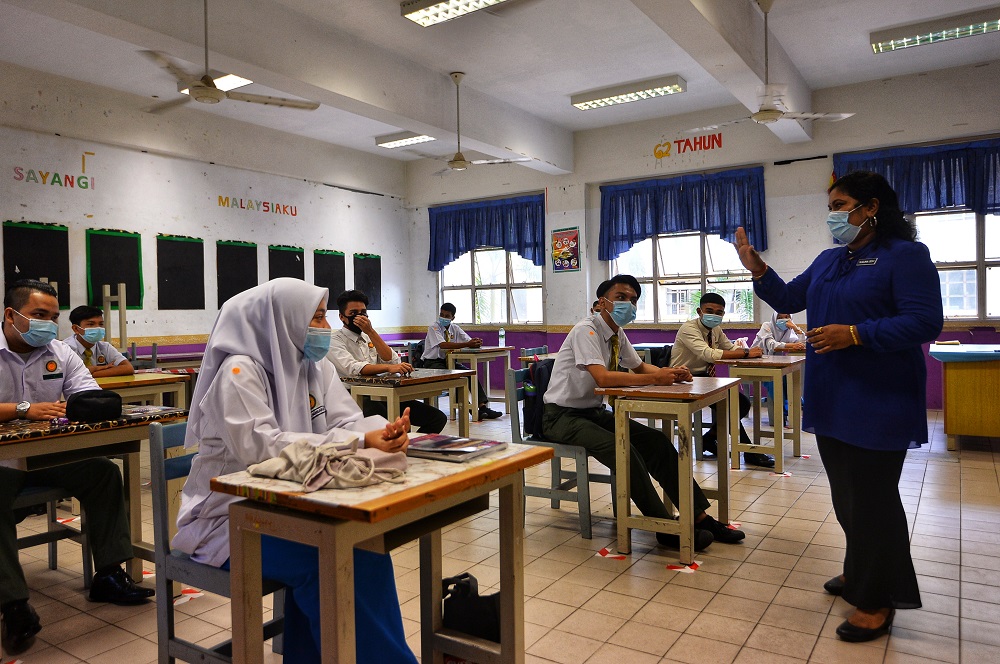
x: 451, y: 448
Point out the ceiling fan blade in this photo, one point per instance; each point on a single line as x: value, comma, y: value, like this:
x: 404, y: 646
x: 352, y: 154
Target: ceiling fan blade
x: 168, y: 105
x: 823, y: 117
x: 268, y: 100
x: 698, y: 130
x: 169, y: 65
x: 499, y: 161
x: 442, y: 172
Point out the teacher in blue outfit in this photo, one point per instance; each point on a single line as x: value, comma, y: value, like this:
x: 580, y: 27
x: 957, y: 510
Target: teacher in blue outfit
x: 872, y: 304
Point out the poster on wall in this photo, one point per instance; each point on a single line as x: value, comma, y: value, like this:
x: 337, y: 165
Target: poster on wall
x: 24, y: 258
x: 236, y: 263
x: 330, y: 271
x: 285, y: 261
x: 368, y: 278
x: 180, y: 272
x: 566, y: 250
x: 114, y: 257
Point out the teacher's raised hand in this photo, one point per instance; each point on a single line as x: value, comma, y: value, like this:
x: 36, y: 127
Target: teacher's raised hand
x: 748, y: 255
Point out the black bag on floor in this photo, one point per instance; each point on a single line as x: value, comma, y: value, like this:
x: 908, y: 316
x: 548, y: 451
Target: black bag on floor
x: 466, y: 611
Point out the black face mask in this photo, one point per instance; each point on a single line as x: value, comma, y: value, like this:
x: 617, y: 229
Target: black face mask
x: 350, y: 322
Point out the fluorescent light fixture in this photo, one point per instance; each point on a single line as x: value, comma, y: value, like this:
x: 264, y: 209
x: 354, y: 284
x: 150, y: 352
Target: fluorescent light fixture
x: 227, y: 82
x: 938, y: 30
x: 623, y: 94
x: 429, y: 12
x: 402, y: 139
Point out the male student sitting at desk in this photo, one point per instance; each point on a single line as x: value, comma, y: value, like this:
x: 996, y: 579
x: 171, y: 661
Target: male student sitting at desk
x: 444, y: 335
x: 100, y: 357
x: 699, y: 344
x: 575, y: 415
x: 357, y: 350
x: 36, y: 371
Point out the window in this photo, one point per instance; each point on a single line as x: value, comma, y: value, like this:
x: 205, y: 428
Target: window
x: 965, y: 247
x: 493, y: 286
x: 674, y: 270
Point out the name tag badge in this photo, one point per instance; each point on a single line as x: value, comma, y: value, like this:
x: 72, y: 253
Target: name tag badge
x: 52, y: 376
x: 868, y: 261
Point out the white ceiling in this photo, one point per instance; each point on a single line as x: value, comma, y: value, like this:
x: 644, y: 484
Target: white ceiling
x: 376, y: 73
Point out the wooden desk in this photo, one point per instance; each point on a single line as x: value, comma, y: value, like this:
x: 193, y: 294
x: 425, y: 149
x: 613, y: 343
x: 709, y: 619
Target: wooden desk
x: 681, y: 402
x: 422, y: 383
x: 35, y: 445
x: 773, y: 368
x: 525, y: 360
x: 971, y: 390
x: 171, y: 360
x: 381, y: 517
x: 475, y: 356
x: 149, y: 387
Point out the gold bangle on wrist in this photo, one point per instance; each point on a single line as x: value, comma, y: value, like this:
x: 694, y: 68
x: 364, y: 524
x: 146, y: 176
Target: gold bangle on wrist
x: 854, y: 335
x: 757, y: 277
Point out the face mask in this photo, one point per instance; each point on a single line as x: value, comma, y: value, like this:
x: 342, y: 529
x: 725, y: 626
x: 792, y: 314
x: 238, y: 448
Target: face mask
x: 350, y: 322
x: 93, y: 334
x: 841, y: 228
x: 623, y: 313
x: 40, y: 332
x: 711, y: 320
x: 444, y: 322
x: 317, y: 343
x: 782, y: 324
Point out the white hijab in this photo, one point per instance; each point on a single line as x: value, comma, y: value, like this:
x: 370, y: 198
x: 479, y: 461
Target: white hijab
x: 781, y: 336
x: 267, y: 323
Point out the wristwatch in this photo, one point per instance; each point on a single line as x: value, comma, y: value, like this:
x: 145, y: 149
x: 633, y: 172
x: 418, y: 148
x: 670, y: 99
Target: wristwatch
x: 746, y: 353
x: 22, y: 410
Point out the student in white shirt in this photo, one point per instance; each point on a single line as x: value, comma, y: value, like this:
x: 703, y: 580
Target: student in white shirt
x: 779, y: 334
x: 100, y: 357
x: 445, y: 335
x: 36, y: 373
x: 357, y: 349
x: 264, y: 384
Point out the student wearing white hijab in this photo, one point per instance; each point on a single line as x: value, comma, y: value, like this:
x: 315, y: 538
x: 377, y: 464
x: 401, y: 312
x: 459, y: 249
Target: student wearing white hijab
x: 779, y: 334
x: 265, y: 383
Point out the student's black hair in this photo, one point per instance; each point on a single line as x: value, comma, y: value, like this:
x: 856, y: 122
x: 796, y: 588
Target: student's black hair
x: 350, y: 296
x: 20, y: 291
x: 594, y: 305
x: 863, y: 186
x: 83, y: 312
x: 712, y: 298
x: 449, y: 307
x: 626, y: 279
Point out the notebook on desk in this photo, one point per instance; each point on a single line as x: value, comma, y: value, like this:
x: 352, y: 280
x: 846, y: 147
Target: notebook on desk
x: 451, y: 448
x: 134, y: 413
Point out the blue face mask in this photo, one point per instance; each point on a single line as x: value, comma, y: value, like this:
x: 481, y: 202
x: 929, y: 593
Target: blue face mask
x: 841, y: 228
x: 317, y: 343
x: 444, y: 322
x: 711, y: 320
x: 40, y: 332
x: 782, y: 324
x: 93, y: 334
x: 623, y: 313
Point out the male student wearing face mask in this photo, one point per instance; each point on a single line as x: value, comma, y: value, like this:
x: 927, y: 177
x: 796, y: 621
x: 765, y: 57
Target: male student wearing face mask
x: 575, y: 415
x: 100, y: 357
x: 700, y: 343
x: 358, y: 350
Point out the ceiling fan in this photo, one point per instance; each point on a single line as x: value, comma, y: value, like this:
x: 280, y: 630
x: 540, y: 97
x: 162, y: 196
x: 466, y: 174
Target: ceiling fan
x: 771, y: 97
x: 458, y: 162
x: 203, y: 88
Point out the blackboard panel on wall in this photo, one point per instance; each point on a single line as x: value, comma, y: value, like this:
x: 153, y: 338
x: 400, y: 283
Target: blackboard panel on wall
x: 36, y: 251
x: 285, y: 261
x: 330, y: 271
x: 114, y: 257
x: 368, y: 278
x: 237, y: 266
x: 180, y: 272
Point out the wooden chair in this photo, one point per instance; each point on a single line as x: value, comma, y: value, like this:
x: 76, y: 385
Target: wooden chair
x: 50, y: 496
x: 531, y: 352
x: 562, y: 481
x: 175, y: 566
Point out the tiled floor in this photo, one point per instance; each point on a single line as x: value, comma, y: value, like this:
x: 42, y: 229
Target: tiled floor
x: 761, y: 601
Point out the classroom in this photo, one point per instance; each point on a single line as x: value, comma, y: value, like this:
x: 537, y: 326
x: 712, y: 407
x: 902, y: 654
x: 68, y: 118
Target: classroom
x: 488, y: 161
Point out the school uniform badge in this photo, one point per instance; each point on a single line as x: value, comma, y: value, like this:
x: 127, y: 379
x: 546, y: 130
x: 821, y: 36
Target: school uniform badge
x: 52, y: 371
x: 315, y: 408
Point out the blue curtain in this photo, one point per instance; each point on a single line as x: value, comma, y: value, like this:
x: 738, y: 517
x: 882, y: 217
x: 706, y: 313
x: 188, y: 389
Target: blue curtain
x: 515, y: 224
x: 715, y: 203
x: 963, y: 175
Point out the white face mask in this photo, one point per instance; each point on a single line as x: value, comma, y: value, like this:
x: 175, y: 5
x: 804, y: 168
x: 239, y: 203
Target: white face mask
x: 841, y: 228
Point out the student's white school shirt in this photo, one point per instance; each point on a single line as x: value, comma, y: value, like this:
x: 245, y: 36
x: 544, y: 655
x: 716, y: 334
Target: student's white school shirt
x: 589, y: 342
x: 50, y: 373
x: 350, y: 352
x: 241, y: 429
x: 105, y: 355
x: 435, y: 337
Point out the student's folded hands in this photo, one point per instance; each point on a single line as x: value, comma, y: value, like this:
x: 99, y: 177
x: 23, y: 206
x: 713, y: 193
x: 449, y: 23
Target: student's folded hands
x: 393, y: 438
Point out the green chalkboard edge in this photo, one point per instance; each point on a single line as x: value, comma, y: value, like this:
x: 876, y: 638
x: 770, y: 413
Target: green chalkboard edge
x: 285, y: 247
x: 328, y: 252
x: 364, y: 256
x: 235, y: 243
x: 35, y: 224
x: 178, y: 238
x: 90, y: 286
